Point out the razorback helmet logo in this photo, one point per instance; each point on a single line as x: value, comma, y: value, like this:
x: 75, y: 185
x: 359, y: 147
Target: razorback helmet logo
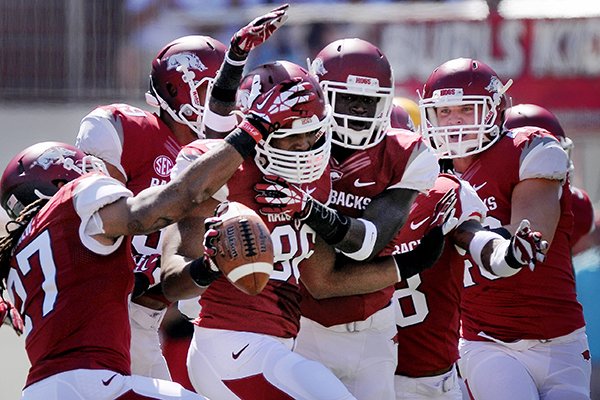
x: 52, y: 156
x: 317, y: 67
x: 495, y: 85
x: 191, y: 61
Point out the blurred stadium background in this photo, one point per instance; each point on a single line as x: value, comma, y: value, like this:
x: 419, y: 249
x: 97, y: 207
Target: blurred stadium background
x: 61, y: 58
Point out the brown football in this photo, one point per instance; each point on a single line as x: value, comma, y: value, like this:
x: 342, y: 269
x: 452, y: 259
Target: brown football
x: 244, y: 247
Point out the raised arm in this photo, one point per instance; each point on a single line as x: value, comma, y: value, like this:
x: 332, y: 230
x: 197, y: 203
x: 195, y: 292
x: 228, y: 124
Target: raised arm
x: 218, y: 120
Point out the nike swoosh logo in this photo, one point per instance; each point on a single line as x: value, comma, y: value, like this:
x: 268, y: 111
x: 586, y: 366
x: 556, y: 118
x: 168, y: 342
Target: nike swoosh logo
x: 358, y: 183
x: 109, y: 380
x: 262, y: 104
x: 414, y: 226
x: 476, y: 188
x: 236, y: 355
x: 309, y: 191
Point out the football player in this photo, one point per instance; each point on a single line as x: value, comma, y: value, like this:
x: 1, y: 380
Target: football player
x: 66, y: 263
x: 428, y: 304
x: 376, y: 175
x: 242, y: 344
x: 139, y: 149
x: 533, y: 115
x: 523, y: 337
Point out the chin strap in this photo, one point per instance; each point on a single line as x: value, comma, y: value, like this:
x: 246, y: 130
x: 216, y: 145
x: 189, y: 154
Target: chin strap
x: 153, y: 99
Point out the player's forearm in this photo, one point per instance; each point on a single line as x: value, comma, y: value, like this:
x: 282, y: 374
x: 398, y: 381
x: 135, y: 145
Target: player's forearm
x: 176, y: 280
x: 218, y: 119
x: 363, y: 238
x: 356, y: 238
x: 157, y: 207
x: 354, y: 277
x: 487, y: 248
x: 223, y: 95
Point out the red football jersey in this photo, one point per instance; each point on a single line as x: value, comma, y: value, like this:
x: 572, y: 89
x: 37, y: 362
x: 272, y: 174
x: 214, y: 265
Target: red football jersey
x: 400, y: 160
x: 529, y: 305
x: 275, y: 311
x: 583, y: 214
x: 139, y: 145
x: 72, y: 291
x: 429, y: 302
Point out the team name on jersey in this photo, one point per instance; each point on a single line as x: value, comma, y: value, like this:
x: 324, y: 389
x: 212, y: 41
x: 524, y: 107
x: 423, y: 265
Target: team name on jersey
x: 348, y: 200
x: 490, y: 203
x: 281, y: 217
x: 158, y: 182
x: 405, y: 247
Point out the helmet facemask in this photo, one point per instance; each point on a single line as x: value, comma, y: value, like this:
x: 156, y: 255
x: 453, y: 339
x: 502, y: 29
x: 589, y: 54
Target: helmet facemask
x: 190, y: 114
x: 472, y: 137
x: 377, y: 124
x: 297, y: 166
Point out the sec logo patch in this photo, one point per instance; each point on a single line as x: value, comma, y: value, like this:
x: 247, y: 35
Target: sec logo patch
x: 163, y: 166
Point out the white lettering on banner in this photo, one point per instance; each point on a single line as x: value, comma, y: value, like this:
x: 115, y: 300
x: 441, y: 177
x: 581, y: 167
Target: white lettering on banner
x: 566, y: 48
x: 559, y: 48
x: 437, y: 43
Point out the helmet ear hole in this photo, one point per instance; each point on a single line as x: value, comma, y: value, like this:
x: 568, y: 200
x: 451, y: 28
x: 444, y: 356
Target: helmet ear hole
x: 171, y: 89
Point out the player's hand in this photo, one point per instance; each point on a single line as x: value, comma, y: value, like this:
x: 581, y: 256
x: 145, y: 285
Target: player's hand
x: 279, y: 196
x: 146, y: 273
x: 211, y: 234
x: 526, y: 247
x: 444, y: 212
x: 271, y: 110
x: 258, y: 31
x: 10, y: 316
x: 204, y: 270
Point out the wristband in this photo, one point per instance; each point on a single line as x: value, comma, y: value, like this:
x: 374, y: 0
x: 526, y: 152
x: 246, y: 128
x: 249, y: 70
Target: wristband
x: 202, y: 274
x: 498, y: 262
x: 327, y: 222
x: 368, y: 243
x: 242, y: 141
x: 219, y: 123
x: 480, y: 239
x: 251, y: 130
x: 235, y: 63
x: 227, y: 81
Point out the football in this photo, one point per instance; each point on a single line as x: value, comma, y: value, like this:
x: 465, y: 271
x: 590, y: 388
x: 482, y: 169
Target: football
x: 244, y: 247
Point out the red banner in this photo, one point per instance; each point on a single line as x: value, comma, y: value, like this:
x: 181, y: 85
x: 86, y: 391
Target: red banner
x: 553, y: 62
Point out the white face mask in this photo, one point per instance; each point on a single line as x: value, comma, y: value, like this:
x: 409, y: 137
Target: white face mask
x: 297, y: 166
